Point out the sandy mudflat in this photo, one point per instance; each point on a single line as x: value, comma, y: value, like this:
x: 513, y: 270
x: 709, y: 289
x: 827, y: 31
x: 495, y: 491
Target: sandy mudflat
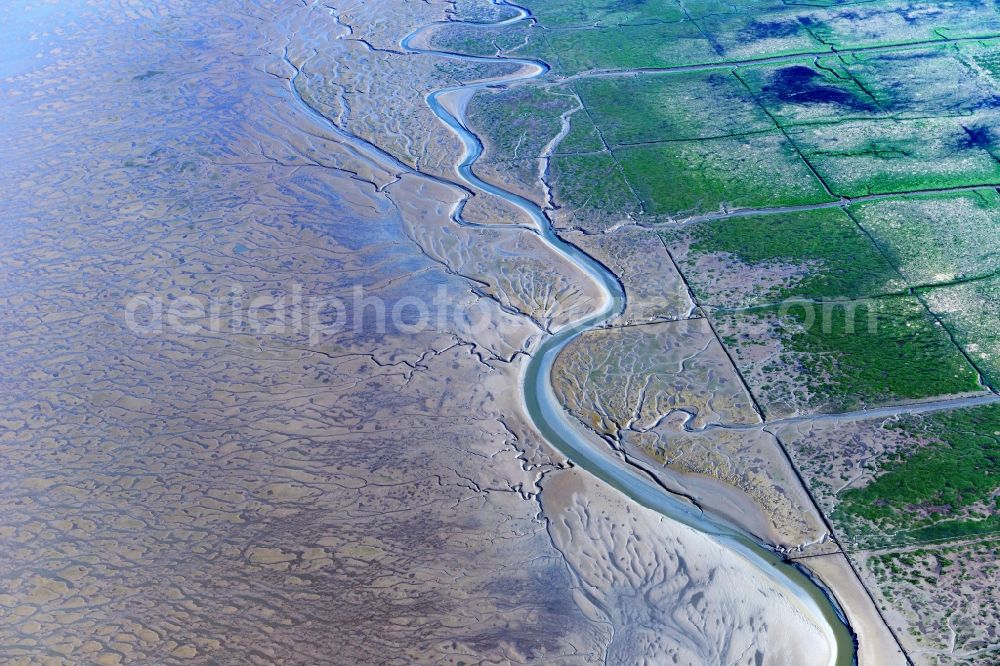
x: 242, y: 493
x: 672, y: 594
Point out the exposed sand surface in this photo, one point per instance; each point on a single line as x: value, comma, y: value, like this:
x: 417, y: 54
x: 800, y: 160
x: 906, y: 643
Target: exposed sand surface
x: 248, y: 495
x: 212, y: 474
x: 672, y: 594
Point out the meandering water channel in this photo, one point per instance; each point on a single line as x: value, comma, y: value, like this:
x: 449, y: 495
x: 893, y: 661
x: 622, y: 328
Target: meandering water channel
x: 581, y: 447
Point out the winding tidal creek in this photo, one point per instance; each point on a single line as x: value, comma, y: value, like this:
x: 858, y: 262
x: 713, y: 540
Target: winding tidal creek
x: 548, y: 415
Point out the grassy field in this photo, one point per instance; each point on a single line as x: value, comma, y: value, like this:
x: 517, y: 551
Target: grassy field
x: 858, y: 158
x: 918, y: 83
x: 777, y: 28
x: 690, y: 177
x: 653, y: 107
x: 808, y: 91
x: 936, y: 239
x: 971, y: 311
x: 904, y: 354
x: 820, y: 254
x: 842, y: 356
x: 628, y: 47
x: 944, y: 487
x: 583, y: 136
x: 586, y: 13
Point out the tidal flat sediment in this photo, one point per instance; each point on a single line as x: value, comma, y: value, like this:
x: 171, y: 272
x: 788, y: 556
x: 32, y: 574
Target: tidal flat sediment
x: 247, y: 495
x: 449, y: 104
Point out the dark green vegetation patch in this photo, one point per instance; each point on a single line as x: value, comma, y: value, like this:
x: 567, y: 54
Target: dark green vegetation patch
x: 921, y: 567
x: 944, y: 486
x: 878, y: 351
x: 654, y: 107
x: 806, y: 91
x: 752, y: 260
x: 691, y: 177
x: 842, y: 356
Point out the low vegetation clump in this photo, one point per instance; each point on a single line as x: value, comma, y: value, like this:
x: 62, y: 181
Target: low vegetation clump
x: 937, y: 239
x: 487, y: 41
x: 946, y: 487
x: 691, y: 177
x: 971, y: 311
x: 592, y: 183
x: 820, y: 254
x: 518, y: 122
x: 653, y: 108
x: 947, y: 594
x: 840, y: 356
